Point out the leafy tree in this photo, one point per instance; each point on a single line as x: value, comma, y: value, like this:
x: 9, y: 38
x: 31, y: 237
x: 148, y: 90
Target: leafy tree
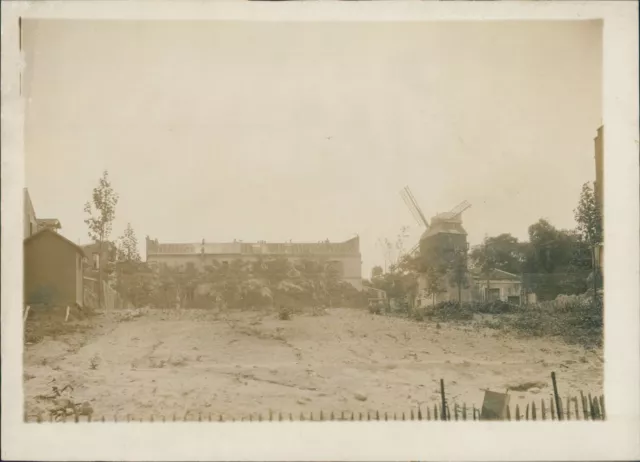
x: 556, y: 261
x: 101, y: 211
x: 459, y: 272
x: 502, y: 252
x: 435, y: 283
x: 127, y: 247
x: 590, y: 227
x: 376, y: 272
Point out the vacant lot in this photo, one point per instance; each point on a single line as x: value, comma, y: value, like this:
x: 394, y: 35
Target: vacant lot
x: 237, y: 364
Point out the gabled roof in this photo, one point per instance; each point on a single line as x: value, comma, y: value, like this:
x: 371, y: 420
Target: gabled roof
x: 496, y: 275
x: 45, y: 231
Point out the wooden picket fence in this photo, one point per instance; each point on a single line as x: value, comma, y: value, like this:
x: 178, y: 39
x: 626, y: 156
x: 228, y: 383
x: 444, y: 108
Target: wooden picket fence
x: 591, y: 408
x: 584, y: 407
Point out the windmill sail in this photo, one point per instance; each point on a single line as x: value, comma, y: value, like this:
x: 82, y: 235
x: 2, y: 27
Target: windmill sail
x: 413, y: 206
x: 456, y: 211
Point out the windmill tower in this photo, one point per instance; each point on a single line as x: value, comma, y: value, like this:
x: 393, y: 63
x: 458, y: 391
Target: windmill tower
x: 444, y: 239
x: 445, y: 234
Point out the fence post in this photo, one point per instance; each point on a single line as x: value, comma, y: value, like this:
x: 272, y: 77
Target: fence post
x: 464, y: 411
x: 556, y: 395
x: 517, y: 412
x: 543, y: 410
x: 533, y: 410
x: 568, y: 407
x: 593, y: 413
x: 386, y: 417
x: 597, y: 408
x: 527, y: 412
x: 604, y: 414
x: 360, y: 416
x: 435, y: 413
x: 474, y: 412
x: 377, y: 415
x: 444, y: 409
x: 553, y: 409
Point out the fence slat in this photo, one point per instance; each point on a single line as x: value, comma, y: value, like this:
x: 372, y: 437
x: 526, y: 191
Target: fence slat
x: 569, y: 407
x: 527, y: 411
x: 592, y: 410
x: 419, y: 414
x: 508, y: 412
x: 464, y: 411
x: 553, y: 409
x: 377, y: 415
x: 533, y: 411
x: 517, y: 412
x: 596, y: 407
x: 602, y: 409
x: 543, y: 410
x: 428, y: 413
x: 455, y: 411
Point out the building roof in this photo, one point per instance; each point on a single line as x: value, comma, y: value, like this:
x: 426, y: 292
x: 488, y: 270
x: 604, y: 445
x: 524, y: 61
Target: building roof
x: 50, y: 222
x: 496, y: 275
x: 45, y: 231
x: 349, y: 247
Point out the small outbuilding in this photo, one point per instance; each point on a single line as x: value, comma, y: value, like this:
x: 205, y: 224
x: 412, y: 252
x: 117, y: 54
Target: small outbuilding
x: 53, y: 270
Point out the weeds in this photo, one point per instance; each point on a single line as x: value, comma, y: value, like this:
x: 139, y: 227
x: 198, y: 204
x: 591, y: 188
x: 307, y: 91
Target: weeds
x: 285, y: 313
x: 94, y: 362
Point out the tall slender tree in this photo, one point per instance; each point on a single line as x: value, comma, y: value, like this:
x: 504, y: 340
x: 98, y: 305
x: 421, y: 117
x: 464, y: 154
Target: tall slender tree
x: 101, y: 211
x: 128, y: 246
x: 590, y: 226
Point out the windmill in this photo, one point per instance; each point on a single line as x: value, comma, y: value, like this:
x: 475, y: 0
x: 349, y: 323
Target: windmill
x: 447, y: 223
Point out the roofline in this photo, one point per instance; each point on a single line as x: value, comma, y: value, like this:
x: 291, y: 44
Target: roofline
x: 60, y: 236
x: 351, y: 239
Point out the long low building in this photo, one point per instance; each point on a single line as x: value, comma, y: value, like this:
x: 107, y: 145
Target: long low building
x: 344, y: 255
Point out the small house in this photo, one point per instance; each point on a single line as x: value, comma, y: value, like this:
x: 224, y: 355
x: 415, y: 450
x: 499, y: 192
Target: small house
x: 498, y: 285
x: 53, y: 267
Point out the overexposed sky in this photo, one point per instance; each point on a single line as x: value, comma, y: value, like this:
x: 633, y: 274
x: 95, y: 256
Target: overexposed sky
x: 308, y: 131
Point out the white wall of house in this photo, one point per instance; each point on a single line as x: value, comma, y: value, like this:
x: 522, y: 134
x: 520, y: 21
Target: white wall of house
x: 504, y: 288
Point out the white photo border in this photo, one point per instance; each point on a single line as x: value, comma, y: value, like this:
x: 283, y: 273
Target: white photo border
x: 617, y: 438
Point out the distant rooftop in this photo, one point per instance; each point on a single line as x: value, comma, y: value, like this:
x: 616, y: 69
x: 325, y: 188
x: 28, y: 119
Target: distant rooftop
x: 52, y: 223
x: 350, y: 247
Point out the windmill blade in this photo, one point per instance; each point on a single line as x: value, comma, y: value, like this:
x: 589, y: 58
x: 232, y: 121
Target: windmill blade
x: 417, y: 207
x: 412, y: 209
x: 456, y: 211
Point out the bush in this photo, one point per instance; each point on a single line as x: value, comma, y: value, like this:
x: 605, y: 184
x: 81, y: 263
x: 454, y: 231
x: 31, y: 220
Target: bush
x: 375, y: 308
x: 284, y: 313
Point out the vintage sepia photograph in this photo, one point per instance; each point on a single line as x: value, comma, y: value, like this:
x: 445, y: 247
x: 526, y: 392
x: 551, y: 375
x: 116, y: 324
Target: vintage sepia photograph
x: 356, y: 221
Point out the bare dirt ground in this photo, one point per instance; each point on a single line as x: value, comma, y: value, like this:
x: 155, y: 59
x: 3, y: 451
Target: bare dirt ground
x: 236, y: 364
